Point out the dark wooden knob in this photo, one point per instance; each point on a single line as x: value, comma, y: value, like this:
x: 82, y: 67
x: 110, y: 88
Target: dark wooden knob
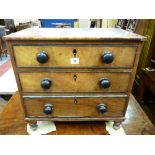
x: 48, y: 108
x: 102, y: 108
x: 46, y: 83
x: 42, y: 57
x: 105, y: 83
x: 107, y: 57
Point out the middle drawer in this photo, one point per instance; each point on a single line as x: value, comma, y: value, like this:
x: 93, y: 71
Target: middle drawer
x: 94, y: 81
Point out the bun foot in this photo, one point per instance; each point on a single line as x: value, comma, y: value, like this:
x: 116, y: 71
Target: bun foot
x: 116, y: 125
x: 33, y: 126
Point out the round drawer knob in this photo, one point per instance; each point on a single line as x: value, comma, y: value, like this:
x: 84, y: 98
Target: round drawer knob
x: 107, y: 57
x: 42, y: 57
x: 48, y: 108
x: 105, y: 83
x: 46, y: 83
x: 102, y: 108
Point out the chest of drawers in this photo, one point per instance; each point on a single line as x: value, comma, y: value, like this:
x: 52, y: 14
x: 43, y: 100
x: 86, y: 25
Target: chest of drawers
x: 74, y: 74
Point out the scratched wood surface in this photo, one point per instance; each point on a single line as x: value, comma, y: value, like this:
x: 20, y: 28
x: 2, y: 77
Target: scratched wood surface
x: 74, y: 34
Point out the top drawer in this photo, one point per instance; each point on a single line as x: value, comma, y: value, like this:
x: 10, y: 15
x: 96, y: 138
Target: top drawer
x: 81, y: 56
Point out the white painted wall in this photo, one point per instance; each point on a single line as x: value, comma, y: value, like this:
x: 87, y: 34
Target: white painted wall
x: 106, y: 23
x: 84, y: 23
x: 109, y: 23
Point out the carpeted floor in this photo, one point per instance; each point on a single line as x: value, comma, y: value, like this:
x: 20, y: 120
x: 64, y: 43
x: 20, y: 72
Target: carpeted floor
x: 5, y: 64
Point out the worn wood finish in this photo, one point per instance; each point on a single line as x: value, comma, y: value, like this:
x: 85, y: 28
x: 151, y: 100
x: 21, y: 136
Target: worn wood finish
x: 76, y: 119
x: 12, y: 122
x: 75, y: 107
x: 89, y: 55
x: 75, y: 34
x: 66, y: 82
x: 125, y: 45
x: 77, y: 94
x: 15, y: 73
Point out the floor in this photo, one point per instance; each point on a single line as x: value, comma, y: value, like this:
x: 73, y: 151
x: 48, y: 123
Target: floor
x: 136, y: 123
x: 4, y: 59
x: 7, y: 79
x: 148, y: 104
x: 8, y: 85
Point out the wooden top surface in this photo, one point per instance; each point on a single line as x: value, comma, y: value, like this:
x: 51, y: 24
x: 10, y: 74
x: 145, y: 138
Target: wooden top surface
x: 74, y: 34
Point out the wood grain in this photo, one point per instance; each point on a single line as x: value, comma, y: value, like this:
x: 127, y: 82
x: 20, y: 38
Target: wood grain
x: 66, y: 107
x: 90, y: 44
x: 89, y: 55
x: 12, y: 123
x: 64, y: 81
x: 137, y: 123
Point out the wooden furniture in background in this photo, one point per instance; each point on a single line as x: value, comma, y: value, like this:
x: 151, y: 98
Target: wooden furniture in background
x: 74, y: 74
x: 146, y: 28
x: 147, y: 81
x: 23, y: 26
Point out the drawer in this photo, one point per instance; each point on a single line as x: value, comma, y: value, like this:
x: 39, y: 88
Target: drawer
x: 74, y: 107
x: 74, y: 81
x: 64, y: 56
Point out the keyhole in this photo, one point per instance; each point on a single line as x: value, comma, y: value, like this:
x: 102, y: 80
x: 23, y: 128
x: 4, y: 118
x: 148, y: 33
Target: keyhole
x: 75, y: 101
x: 74, y: 77
x: 74, y: 52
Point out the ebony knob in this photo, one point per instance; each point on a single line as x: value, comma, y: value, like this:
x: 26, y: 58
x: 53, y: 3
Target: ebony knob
x: 107, y: 57
x: 42, y: 57
x: 105, y: 83
x: 102, y: 108
x: 48, y: 108
x: 46, y: 83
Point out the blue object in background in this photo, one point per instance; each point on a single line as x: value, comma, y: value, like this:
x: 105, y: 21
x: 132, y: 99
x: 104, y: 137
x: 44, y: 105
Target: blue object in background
x: 54, y: 23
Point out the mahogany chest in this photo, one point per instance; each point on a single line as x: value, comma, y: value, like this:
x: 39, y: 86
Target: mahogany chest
x: 74, y: 74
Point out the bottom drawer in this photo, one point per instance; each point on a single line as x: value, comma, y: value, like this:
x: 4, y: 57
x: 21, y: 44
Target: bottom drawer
x: 74, y: 107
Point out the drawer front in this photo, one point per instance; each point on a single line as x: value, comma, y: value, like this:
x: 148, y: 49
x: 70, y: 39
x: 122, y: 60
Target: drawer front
x: 74, y: 81
x: 87, y: 56
x: 74, y: 107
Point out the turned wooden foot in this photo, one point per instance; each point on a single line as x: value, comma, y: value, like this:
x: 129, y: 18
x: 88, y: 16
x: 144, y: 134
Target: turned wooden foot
x: 33, y: 126
x: 116, y: 125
